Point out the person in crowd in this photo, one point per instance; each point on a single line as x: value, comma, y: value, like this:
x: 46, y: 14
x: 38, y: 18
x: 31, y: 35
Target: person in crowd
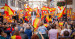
x: 25, y: 25
x: 8, y: 30
x: 66, y: 33
x: 31, y: 27
x: 73, y: 33
x: 65, y: 30
x: 34, y: 36
x: 15, y: 29
x: 16, y: 35
x: 66, y: 25
x: 28, y: 32
x: 4, y: 35
x: 13, y: 25
x: 1, y: 27
x: 49, y: 27
x: 43, y: 31
x: 1, y: 36
x: 53, y: 32
x: 19, y: 26
x: 71, y: 25
x: 23, y: 35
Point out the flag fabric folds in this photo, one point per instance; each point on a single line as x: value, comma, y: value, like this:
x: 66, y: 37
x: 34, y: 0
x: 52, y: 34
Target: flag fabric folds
x: 36, y: 22
x: 8, y: 10
x: 15, y: 37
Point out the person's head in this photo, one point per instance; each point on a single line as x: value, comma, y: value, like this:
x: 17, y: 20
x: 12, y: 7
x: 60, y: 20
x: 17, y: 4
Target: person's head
x: 13, y: 25
x: 66, y: 33
x: 16, y: 33
x: 71, y: 22
x: 0, y: 25
x: 1, y: 31
x: 18, y: 23
x: 50, y: 22
x: 74, y: 27
x: 34, y: 36
x: 25, y: 24
x: 7, y: 25
x: 16, y: 28
x: 28, y: 27
x: 41, y: 24
x: 4, y: 34
x: 65, y: 22
x: 21, y: 25
x: 21, y: 30
x: 53, y: 26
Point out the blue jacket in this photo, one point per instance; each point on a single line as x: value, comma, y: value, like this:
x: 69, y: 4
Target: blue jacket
x: 8, y: 33
x: 29, y: 33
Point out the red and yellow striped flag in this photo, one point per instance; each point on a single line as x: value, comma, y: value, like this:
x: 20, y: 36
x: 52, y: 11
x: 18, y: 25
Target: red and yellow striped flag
x: 60, y: 15
x: 15, y: 37
x: 60, y: 23
x: 47, y: 18
x: 42, y: 15
x: 46, y: 25
x: 36, y: 23
x: 38, y: 15
x: 8, y: 10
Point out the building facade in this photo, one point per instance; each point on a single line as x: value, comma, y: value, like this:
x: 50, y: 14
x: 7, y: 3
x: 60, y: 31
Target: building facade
x: 14, y: 4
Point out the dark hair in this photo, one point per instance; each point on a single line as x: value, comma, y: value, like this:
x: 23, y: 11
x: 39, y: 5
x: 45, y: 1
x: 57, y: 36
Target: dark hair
x: 66, y: 33
x: 16, y: 33
x: 34, y: 36
x: 53, y: 26
x: 41, y: 24
x: 0, y: 31
x: 13, y: 25
x: 4, y: 23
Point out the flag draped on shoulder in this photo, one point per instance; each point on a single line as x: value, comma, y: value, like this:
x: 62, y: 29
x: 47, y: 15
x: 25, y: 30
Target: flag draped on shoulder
x: 16, y: 37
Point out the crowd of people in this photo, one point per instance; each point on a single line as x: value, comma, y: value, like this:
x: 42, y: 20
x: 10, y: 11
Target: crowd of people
x: 26, y: 31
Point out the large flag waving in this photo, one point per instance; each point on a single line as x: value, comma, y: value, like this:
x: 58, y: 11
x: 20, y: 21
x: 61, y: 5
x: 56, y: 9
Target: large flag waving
x: 36, y: 23
x: 8, y: 10
x: 61, y: 11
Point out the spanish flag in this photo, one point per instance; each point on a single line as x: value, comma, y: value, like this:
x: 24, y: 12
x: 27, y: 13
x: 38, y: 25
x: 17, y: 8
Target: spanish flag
x: 36, y: 22
x: 42, y: 15
x: 47, y: 18
x: 26, y: 16
x: 60, y: 23
x: 60, y: 15
x: 1, y: 7
x: 15, y: 37
x: 38, y: 15
x: 43, y: 8
x: 46, y: 25
x: 8, y: 10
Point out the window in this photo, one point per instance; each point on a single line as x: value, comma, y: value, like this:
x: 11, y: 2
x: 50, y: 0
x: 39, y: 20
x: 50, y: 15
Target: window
x: 69, y: 2
x: 37, y: 0
x: 19, y: 4
x: 2, y: 2
x: 13, y: 3
x: 37, y: 3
